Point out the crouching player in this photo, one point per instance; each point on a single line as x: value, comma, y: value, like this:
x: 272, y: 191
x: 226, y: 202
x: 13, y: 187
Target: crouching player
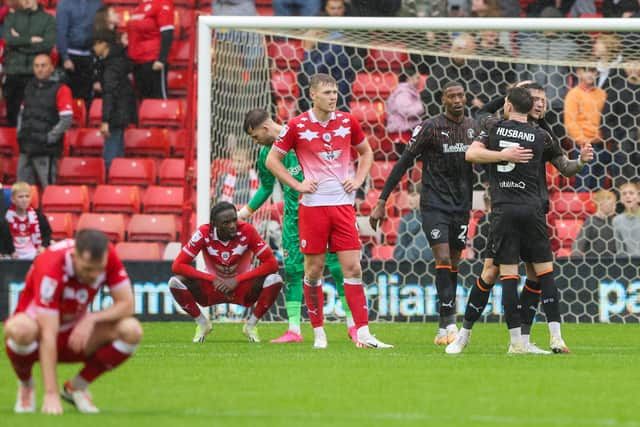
x: 52, y: 324
x: 228, y: 248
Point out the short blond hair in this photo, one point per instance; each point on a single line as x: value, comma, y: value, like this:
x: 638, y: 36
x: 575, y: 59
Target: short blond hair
x: 602, y: 195
x: 321, y: 79
x: 20, y: 187
x: 629, y: 184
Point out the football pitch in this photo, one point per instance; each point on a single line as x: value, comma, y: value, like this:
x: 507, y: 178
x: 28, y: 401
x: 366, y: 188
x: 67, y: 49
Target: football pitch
x: 230, y: 382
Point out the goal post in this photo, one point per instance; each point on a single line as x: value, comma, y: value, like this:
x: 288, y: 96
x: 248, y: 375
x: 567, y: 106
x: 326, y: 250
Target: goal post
x: 238, y: 70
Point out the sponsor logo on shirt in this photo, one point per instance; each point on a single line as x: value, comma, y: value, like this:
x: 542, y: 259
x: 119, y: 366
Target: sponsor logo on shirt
x: 512, y: 184
x: 455, y: 148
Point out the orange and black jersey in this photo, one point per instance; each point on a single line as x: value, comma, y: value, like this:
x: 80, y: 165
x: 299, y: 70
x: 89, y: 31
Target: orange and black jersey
x: 447, y: 179
x: 516, y: 183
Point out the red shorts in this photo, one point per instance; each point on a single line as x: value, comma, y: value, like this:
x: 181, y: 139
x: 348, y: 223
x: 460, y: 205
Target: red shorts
x: 323, y: 227
x: 245, y: 294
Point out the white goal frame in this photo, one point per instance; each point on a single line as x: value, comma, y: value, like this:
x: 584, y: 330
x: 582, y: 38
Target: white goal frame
x: 206, y: 25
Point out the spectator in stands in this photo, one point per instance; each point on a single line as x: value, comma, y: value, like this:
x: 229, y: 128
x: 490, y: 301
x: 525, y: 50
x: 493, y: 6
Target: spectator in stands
x: 583, y: 107
x: 340, y: 62
x: 28, y: 32
x: 107, y: 19
x: 296, y: 7
x: 619, y: 8
x: 621, y: 123
x: 626, y: 226
x: 480, y: 239
x: 375, y: 7
x: 74, y: 25
x: 404, y: 108
x: 485, y: 8
x: 454, y: 68
x: 607, y: 51
x: 235, y: 7
x: 45, y: 116
x: 238, y: 185
x: 118, y: 100
x: 596, y: 235
x: 29, y: 230
x: 549, y: 47
x: 423, y: 8
x: 150, y: 33
x: 411, y: 243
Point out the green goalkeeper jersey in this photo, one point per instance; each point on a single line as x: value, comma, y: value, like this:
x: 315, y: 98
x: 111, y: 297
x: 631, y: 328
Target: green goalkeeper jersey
x: 267, y: 181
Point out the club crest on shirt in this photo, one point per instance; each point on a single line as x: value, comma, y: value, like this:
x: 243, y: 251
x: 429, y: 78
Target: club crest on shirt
x: 283, y: 131
x: 225, y: 256
x: 326, y: 137
x: 435, y: 233
x: 470, y: 133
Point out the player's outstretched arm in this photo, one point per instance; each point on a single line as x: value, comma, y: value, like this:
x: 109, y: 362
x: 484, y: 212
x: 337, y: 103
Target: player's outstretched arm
x: 49, y: 324
x: 568, y: 167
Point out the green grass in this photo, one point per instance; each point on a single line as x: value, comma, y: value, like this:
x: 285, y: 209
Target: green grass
x: 227, y: 381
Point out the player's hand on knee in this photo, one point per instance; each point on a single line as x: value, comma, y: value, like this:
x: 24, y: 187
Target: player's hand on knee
x: 81, y: 333
x: 51, y: 404
x: 517, y: 154
x: 377, y: 214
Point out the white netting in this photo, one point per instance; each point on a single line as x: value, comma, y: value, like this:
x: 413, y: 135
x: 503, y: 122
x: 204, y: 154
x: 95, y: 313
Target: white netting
x: 270, y: 69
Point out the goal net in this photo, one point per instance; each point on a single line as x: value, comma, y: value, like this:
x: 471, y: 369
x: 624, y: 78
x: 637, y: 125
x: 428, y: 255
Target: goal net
x: 389, y: 73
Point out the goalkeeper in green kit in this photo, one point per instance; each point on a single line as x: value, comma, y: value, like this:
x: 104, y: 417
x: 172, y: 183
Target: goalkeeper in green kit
x: 264, y: 131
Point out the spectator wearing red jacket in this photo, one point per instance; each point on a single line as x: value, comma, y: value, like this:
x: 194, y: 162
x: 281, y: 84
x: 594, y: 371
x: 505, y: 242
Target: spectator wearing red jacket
x: 150, y: 32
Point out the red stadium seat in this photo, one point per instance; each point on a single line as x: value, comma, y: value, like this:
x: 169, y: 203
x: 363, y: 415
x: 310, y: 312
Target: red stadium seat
x: 180, y: 54
x: 132, y: 171
x: 146, y: 142
x: 370, y: 114
x: 8, y: 142
x: 385, y: 60
x: 110, y: 224
x: 95, y: 113
x: 398, y: 204
x: 150, y: 227
x: 382, y: 252
x: 374, y: 85
x: 79, y: 113
x: 8, y: 166
x: 379, y: 173
x: 88, y: 142
x: 171, y: 172
x: 572, y: 205
x: 139, y: 251
x: 61, y: 225
x: 288, y: 55
x: 117, y: 198
x: 177, y: 82
x: 65, y: 198
x: 287, y: 109
x: 284, y: 84
x: 371, y: 199
x: 177, y: 139
x: 158, y: 199
x: 162, y: 112
x: 79, y: 170
x: 566, y: 230
x: 390, y: 230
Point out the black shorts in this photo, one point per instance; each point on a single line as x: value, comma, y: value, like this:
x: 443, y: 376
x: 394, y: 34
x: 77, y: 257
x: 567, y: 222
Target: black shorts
x: 445, y: 227
x: 519, y: 233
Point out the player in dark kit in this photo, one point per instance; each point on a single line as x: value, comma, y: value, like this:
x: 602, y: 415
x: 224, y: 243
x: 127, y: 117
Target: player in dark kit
x: 531, y: 293
x: 440, y: 142
x: 518, y: 225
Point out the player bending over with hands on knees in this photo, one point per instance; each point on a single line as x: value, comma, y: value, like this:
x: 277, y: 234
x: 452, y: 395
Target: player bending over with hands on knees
x: 52, y: 323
